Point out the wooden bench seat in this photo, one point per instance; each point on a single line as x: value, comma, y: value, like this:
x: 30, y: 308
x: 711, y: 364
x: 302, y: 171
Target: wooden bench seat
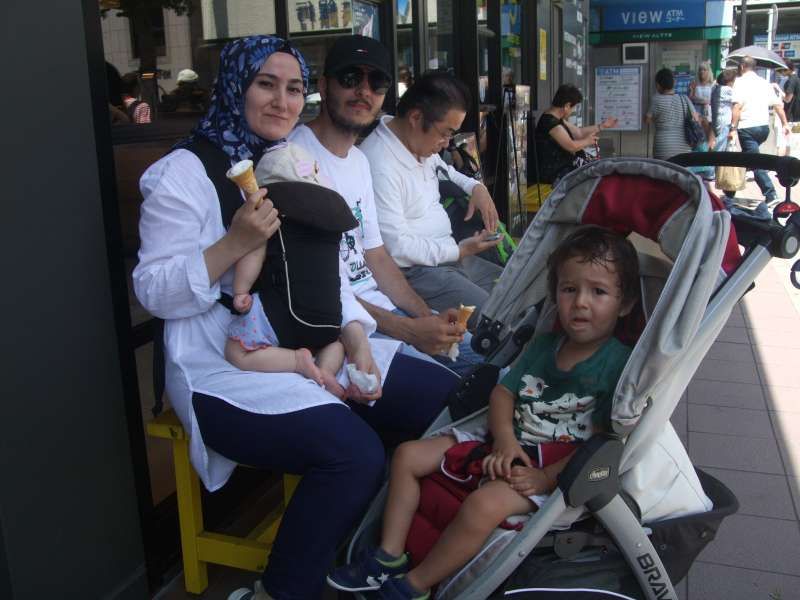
x: 200, y: 547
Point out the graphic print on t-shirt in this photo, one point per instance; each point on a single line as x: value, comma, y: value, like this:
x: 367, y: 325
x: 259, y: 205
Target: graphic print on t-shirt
x: 567, y: 418
x: 351, y: 251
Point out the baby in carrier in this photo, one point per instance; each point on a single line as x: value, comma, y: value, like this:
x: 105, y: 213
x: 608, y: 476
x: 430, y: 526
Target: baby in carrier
x: 293, y: 322
x: 558, y: 393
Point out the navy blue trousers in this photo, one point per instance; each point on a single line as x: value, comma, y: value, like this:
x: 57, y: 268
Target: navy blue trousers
x: 338, y: 453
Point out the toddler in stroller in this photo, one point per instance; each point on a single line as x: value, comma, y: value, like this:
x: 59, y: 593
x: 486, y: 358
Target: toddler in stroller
x: 645, y: 511
x: 559, y: 393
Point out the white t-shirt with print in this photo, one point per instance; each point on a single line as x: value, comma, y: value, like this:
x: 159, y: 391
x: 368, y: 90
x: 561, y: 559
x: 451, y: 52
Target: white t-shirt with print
x: 351, y: 177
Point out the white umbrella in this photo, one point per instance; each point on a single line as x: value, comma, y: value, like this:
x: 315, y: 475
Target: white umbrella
x: 763, y: 57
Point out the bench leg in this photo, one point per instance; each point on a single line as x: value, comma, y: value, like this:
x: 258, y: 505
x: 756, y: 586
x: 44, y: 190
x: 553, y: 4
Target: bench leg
x: 190, y: 516
x: 290, y: 482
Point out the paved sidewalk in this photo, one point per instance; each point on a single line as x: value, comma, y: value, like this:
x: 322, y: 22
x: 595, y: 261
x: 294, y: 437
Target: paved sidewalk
x: 740, y: 421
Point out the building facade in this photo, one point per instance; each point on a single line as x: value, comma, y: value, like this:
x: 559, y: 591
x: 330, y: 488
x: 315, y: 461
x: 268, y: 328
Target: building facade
x: 640, y: 38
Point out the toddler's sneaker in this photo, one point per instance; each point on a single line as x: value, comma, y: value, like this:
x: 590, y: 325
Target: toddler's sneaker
x: 371, y: 568
x: 257, y: 593
x: 398, y: 588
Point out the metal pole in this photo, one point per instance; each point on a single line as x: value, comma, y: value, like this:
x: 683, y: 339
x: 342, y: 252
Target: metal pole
x: 771, y: 22
x: 743, y: 24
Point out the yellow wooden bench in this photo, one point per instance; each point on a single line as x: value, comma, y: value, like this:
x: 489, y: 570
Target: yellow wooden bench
x: 199, y: 546
x: 535, y: 198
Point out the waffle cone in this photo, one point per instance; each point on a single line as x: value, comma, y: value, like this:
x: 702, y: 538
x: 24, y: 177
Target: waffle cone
x: 246, y: 180
x: 464, y: 313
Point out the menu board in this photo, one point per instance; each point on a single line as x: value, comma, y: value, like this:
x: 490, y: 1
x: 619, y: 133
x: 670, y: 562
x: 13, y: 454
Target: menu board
x: 618, y: 94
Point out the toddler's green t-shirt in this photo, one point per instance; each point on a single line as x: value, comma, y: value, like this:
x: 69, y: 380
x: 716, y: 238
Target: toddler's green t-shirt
x: 552, y: 405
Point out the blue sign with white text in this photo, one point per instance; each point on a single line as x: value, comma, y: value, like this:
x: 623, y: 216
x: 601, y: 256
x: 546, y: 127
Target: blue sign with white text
x: 638, y: 15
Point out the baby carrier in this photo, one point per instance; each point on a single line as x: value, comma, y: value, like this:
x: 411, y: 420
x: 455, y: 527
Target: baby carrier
x: 630, y: 512
x: 299, y: 284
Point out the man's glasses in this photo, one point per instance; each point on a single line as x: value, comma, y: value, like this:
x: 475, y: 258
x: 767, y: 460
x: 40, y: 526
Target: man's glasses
x: 445, y: 137
x: 353, y: 76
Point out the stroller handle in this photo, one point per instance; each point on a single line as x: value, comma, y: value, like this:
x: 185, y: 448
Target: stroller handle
x: 787, y: 168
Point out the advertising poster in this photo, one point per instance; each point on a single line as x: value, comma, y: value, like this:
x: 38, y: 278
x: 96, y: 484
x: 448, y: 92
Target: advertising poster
x: 785, y: 45
x: 366, y: 20
x: 517, y: 157
x: 618, y: 94
x: 683, y: 64
x: 320, y: 15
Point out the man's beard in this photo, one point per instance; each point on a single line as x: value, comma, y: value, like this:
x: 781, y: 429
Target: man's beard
x: 343, y: 123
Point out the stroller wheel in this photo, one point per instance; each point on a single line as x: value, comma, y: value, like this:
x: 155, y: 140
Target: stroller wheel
x: 793, y: 274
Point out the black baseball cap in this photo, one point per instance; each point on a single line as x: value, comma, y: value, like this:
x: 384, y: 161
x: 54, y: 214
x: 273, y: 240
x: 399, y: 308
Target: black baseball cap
x: 352, y: 50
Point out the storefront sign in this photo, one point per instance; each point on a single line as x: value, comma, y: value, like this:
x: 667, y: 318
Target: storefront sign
x: 638, y: 15
x: 674, y: 35
x: 785, y: 45
x: 618, y: 94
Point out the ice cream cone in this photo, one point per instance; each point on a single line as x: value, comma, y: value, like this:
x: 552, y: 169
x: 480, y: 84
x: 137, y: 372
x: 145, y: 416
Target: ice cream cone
x: 464, y: 313
x: 242, y: 175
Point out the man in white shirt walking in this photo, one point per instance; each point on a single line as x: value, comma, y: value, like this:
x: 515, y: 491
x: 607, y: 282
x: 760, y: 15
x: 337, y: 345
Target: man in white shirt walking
x: 354, y: 84
x: 402, y: 153
x: 752, y: 99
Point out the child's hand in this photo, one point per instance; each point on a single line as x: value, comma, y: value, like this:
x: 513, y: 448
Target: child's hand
x: 498, y: 463
x: 529, y: 481
x: 242, y: 303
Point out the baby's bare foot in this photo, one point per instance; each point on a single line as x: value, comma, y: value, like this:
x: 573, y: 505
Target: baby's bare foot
x: 242, y: 302
x: 330, y: 383
x: 305, y: 365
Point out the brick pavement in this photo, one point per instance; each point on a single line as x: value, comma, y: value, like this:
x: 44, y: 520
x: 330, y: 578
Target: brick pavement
x: 740, y: 421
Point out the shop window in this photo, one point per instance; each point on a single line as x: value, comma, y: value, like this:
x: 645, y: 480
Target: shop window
x: 314, y: 26
x: 405, y: 46
x: 440, y: 34
x: 511, y: 41
x: 237, y: 18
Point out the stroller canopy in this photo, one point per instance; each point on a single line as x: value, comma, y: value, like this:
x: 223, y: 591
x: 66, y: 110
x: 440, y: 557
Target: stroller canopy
x: 657, y: 200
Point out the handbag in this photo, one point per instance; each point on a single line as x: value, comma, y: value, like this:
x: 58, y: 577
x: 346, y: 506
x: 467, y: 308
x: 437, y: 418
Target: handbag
x: 730, y: 179
x: 692, y: 130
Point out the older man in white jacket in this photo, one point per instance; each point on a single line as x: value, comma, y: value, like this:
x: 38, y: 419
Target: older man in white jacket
x: 402, y: 153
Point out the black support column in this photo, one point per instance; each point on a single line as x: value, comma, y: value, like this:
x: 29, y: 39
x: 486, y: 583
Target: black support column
x: 465, y: 53
x: 68, y: 504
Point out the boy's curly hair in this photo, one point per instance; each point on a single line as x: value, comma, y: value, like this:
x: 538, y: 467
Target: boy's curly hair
x: 592, y: 243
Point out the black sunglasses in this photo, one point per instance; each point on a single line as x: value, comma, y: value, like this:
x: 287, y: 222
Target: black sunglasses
x: 351, y: 77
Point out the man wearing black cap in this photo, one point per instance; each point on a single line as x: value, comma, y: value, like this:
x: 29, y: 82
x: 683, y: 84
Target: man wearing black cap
x: 356, y: 77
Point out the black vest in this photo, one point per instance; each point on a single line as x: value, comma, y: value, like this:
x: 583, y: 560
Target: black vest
x: 299, y: 284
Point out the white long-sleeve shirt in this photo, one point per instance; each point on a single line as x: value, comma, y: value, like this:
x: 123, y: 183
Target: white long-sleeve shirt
x: 414, y: 226
x: 180, y: 218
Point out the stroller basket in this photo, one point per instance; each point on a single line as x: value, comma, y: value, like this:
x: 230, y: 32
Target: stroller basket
x: 603, y: 567
x: 653, y: 512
